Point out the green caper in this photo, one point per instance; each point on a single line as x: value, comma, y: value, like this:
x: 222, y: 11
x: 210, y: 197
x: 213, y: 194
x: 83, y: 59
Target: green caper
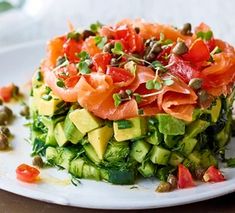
x: 195, y: 83
x: 186, y: 29
x: 202, y: 96
x: 25, y: 111
x: 3, y: 118
x: 5, y: 130
x: 114, y: 62
x: 137, y: 30
x: 164, y: 187
x: 87, y: 33
x: 108, y: 48
x: 7, y: 110
x: 156, y: 48
x: 172, y: 180
x: 199, y: 172
x: 180, y: 48
x: 4, y: 143
x: 37, y: 161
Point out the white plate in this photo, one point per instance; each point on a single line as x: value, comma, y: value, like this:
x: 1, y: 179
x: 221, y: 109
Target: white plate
x: 17, y: 65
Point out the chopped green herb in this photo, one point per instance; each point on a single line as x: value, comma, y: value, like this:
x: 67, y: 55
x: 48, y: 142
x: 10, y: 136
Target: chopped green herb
x: 117, y: 99
x: 100, y: 41
x: 124, y: 124
x: 216, y: 50
x: 205, y: 35
x: 118, y: 50
x: 47, y: 90
x: 74, y: 35
x: 153, y: 84
x: 83, y: 55
x: 159, y: 66
x: 137, y: 97
x: 128, y: 92
x: 83, y: 67
x: 46, y: 97
x: 95, y: 27
x: 60, y: 83
x: 75, y: 181
x: 39, y: 76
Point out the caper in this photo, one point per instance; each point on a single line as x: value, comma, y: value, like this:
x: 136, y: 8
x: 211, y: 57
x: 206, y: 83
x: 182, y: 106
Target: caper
x: 180, y: 48
x: 87, y: 33
x: 150, y: 56
x: 3, y: 118
x: 5, y: 130
x: 202, y: 96
x: 186, y: 29
x: 7, y: 110
x: 199, y: 172
x: 195, y: 83
x: 164, y: 187
x: 1, y: 102
x: 172, y: 180
x: 25, y: 111
x: 114, y: 62
x: 4, y: 144
x: 108, y: 48
x: 149, y: 42
x: 137, y: 30
x: 16, y: 90
x: 156, y: 48
x: 37, y: 161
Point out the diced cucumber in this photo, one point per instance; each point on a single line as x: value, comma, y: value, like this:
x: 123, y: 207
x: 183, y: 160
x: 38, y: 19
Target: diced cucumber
x: 76, y: 167
x: 169, y: 125
x: 139, y: 150
x: 175, y: 159
x: 71, y: 132
x: 90, y: 172
x: 170, y: 140
x: 195, y: 157
x: 159, y: 155
x: 65, y: 156
x: 147, y: 169
x: 187, y: 145
x: 125, y: 177
x: 155, y: 138
x: 51, y: 155
x: 59, y: 134
x: 196, y: 127
x: 91, y: 154
x: 208, y: 159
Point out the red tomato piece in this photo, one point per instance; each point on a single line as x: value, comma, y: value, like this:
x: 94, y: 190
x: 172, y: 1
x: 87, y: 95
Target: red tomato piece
x: 27, y: 173
x: 119, y: 74
x: 185, y: 179
x: 72, y: 81
x: 6, y: 92
x: 198, y: 51
x: 163, y: 54
x: 101, y: 60
x: 182, y: 69
x: 213, y: 174
x: 71, y: 47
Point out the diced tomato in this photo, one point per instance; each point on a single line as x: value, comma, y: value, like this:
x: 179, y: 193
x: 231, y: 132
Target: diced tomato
x: 213, y: 174
x: 71, y: 47
x: 163, y: 54
x: 6, y: 92
x: 211, y: 44
x: 66, y: 72
x: 185, y: 179
x: 119, y: 74
x: 198, y: 52
x: 72, y: 81
x: 182, y: 69
x: 101, y: 61
x: 27, y: 173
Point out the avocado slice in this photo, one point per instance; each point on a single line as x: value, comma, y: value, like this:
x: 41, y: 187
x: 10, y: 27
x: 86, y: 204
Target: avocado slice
x: 169, y: 125
x: 137, y: 129
x: 84, y: 120
x: 99, y: 139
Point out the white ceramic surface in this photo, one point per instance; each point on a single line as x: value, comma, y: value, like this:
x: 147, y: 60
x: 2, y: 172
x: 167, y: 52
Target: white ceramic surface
x: 17, y: 65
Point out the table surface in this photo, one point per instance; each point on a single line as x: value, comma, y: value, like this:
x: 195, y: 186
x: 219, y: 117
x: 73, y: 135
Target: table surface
x: 11, y: 203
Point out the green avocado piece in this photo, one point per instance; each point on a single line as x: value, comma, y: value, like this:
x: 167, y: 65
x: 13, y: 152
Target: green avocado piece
x: 84, y: 120
x: 187, y: 145
x: 147, y: 169
x: 176, y: 159
x: 137, y: 129
x: 155, y: 138
x: 196, y: 127
x: 169, y: 125
x: 139, y: 150
x: 160, y: 155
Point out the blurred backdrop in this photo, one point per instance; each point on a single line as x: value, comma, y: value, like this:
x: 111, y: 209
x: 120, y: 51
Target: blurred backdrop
x: 28, y: 20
